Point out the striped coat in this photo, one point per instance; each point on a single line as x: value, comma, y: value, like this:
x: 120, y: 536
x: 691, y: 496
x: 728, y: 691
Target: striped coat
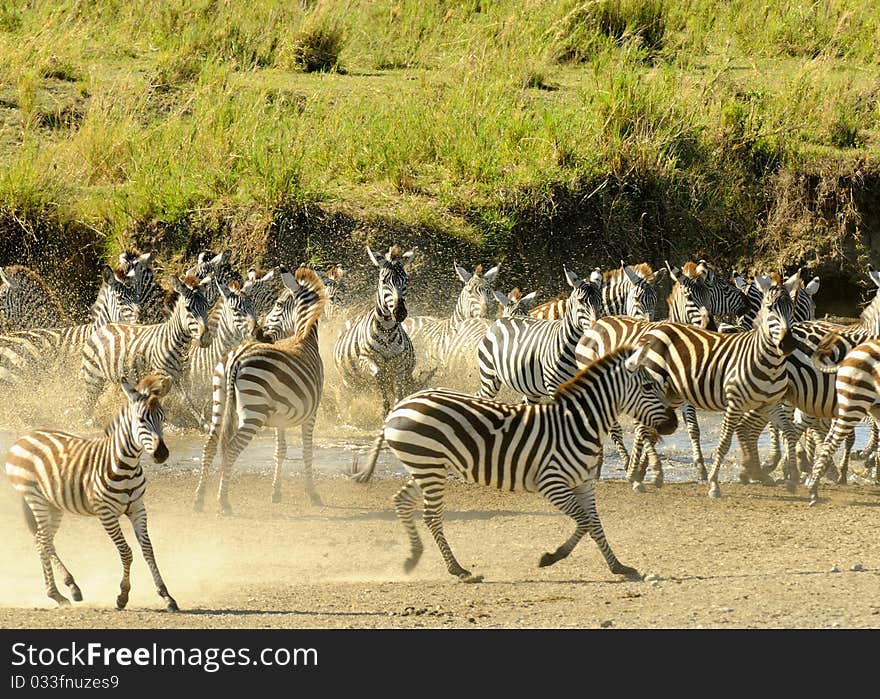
x: 269, y: 385
x: 26, y: 301
x: 373, y: 350
x: 56, y: 472
x: 553, y: 449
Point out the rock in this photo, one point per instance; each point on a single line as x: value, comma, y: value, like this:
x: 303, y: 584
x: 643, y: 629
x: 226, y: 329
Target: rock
x: 835, y: 569
x: 607, y: 624
x: 651, y: 577
x: 857, y: 566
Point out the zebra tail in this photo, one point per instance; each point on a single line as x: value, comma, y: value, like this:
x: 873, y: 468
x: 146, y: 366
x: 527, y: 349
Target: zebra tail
x: 824, y: 358
x: 29, y: 518
x: 365, y: 475
x: 228, y: 414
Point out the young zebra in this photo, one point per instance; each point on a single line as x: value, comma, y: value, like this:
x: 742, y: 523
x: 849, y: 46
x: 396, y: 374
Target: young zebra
x: 730, y: 373
x: 26, y: 301
x: 234, y: 321
x: 373, y: 349
x: 434, y: 337
x: 857, y: 389
x: 56, y: 472
x: 116, y: 349
x: 552, y: 449
x: 533, y: 356
x: 32, y: 355
x: 270, y: 385
x: 630, y: 291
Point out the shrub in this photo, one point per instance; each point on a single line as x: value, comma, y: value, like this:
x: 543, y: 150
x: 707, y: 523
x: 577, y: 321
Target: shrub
x: 316, y: 49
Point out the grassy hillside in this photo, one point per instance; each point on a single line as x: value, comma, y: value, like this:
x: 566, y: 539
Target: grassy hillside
x: 512, y: 128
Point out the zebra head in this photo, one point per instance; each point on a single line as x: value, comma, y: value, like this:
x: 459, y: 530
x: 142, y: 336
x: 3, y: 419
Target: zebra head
x: 584, y: 304
x: 117, y: 301
x: 477, y: 295
x: 263, y: 289
x: 724, y: 298
x: 513, y: 303
x: 643, y: 397
x: 218, y: 267
x: 335, y: 288
x: 238, y: 311
x: 391, y: 292
x: 297, y: 308
x: 191, y: 307
x: 777, y: 311
x: 804, y: 305
x: 138, y: 269
x: 641, y: 297
x: 689, y: 301
x: 145, y: 414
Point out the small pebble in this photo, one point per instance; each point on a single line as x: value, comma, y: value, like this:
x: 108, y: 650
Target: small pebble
x: 835, y: 569
x: 651, y: 577
x: 655, y: 583
x: 607, y: 623
x: 857, y: 567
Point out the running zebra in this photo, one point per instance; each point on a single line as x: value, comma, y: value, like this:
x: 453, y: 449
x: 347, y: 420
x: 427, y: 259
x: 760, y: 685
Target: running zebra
x: 434, y: 336
x: 26, y: 301
x: 373, y: 349
x: 335, y: 289
x: 552, y: 449
x: 218, y: 267
x: 270, y: 385
x: 263, y: 290
x: 56, y: 472
x: 729, y: 373
x: 234, y: 321
x: 33, y: 355
x: 630, y: 291
x: 115, y: 350
x: 532, y: 356
x: 802, y: 295
x: 150, y: 294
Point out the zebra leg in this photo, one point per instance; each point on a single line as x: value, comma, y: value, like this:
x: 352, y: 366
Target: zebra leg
x: 732, y: 416
x: 586, y: 496
x: 848, y: 416
x: 433, y: 488
x: 634, y: 474
x: 280, y: 455
x: 208, y: 454
x: 308, y: 439
x: 138, y: 521
x: 843, y: 469
x: 617, y: 439
x: 52, y: 523
x: 110, y: 522
x: 231, y: 451
x: 689, y: 414
x: 404, y: 503
x: 40, y: 511
x: 651, y: 460
x: 773, y: 458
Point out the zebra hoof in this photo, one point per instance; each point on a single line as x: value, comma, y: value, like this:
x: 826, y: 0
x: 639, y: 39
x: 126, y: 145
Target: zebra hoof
x: 744, y: 478
x: 121, y: 601
x: 791, y: 486
x: 638, y: 487
x: 410, y: 563
x: 658, y: 480
x: 62, y: 601
x: 75, y: 593
x: 276, y: 497
x: 841, y: 480
x: 225, y: 511
x: 548, y: 559
x: 714, y: 491
x: 469, y: 578
x: 172, y: 605
x: 628, y: 572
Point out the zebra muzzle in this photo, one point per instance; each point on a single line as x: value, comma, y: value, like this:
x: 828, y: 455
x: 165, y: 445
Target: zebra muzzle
x: 669, y: 423
x: 788, y: 343
x: 161, y: 453
x: 400, y: 313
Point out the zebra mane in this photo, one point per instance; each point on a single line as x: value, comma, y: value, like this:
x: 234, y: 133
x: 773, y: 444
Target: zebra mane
x: 312, y: 281
x: 595, y: 367
x: 395, y: 253
x: 478, y: 270
x: 643, y: 269
x: 689, y: 269
x: 515, y: 294
x: 35, y: 279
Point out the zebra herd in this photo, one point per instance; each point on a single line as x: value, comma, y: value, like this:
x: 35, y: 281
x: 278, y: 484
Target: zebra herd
x: 242, y: 352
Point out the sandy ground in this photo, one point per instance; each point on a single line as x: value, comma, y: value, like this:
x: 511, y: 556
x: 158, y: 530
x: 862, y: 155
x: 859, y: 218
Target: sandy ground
x: 758, y: 557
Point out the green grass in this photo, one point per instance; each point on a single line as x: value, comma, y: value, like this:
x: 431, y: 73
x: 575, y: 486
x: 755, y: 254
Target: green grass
x: 470, y: 118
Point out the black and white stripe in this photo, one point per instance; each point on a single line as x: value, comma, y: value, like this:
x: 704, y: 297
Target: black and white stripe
x: 553, y: 449
x: 277, y: 385
x: 56, y: 472
x: 373, y: 350
x: 26, y: 301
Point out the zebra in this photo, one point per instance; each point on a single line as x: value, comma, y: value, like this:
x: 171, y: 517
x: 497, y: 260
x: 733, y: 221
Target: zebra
x: 335, y: 289
x: 514, y: 303
x: 718, y: 295
x: 151, y: 295
x: 551, y: 449
x: 532, y: 356
x: 56, y: 472
x: 263, y: 289
x: 26, y: 301
x: 115, y: 349
x: 857, y: 390
x: 269, y: 385
x: 373, y: 349
x: 731, y: 373
x: 434, y: 336
x: 235, y: 321
x: 31, y: 355
x: 218, y: 267
x: 628, y: 291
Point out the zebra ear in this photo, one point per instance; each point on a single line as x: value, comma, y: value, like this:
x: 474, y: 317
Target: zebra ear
x: 791, y: 284
x: 408, y: 256
x: 177, y: 285
x: 252, y: 275
x: 572, y: 279
x: 376, y: 261
x: 764, y: 283
x: 674, y: 272
x: 655, y: 277
x: 203, y: 256
x: 290, y: 281
x: 740, y: 282
x: 130, y: 391
x: 634, y: 278
x: 596, y: 277
x: 108, y: 275
x: 632, y: 362
x: 491, y: 274
x: 462, y: 273
x: 527, y: 300
x: 812, y: 287
x: 874, y: 274
x: 145, y: 257
x: 123, y: 259
x: 503, y: 299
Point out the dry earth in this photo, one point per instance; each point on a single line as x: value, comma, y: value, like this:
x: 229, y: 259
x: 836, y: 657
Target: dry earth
x: 756, y: 558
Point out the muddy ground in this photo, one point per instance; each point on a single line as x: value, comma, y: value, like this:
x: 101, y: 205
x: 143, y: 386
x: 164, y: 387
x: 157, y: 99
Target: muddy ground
x: 757, y: 557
